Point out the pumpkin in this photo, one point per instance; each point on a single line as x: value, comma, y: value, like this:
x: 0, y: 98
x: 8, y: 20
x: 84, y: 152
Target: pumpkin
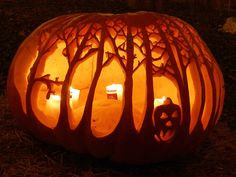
x: 167, y: 120
x: 135, y: 88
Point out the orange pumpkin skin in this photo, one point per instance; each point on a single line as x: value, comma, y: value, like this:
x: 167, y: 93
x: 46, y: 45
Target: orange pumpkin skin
x: 149, y: 54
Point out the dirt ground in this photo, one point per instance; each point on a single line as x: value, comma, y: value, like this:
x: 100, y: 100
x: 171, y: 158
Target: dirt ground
x: 23, y: 155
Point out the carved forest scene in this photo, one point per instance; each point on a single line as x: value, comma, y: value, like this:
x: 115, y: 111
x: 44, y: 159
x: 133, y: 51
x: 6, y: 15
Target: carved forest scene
x: 93, y: 49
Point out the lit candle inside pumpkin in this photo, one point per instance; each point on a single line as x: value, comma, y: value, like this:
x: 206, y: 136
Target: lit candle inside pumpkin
x: 54, y: 100
x: 159, y: 101
x: 114, y: 91
x: 74, y: 96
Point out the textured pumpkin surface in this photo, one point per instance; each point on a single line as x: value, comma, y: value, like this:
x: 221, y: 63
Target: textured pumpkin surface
x: 58, y: 80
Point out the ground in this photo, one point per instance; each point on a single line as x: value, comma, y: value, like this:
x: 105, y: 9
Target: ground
x: 23, y: 155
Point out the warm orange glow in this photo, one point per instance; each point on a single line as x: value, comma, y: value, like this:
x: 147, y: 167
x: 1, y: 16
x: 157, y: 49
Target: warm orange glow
x: 114, y: 91
x: 106, y: 113
x: 163, y: 86
x: 74, y: 96
x: 117, y: 85
x: 139, y: 97
x: 56, y: 64
x: 159, y: 101
x: 54, y: 100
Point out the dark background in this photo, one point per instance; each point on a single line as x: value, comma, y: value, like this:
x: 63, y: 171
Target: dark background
x: 23, y: 155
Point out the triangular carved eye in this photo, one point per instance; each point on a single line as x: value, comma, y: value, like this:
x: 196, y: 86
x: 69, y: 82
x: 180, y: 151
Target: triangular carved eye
x: 175, y: 114
x: 164, y: 115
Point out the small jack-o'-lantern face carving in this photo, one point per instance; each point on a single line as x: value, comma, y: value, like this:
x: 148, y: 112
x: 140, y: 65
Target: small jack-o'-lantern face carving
x: 167, y: 120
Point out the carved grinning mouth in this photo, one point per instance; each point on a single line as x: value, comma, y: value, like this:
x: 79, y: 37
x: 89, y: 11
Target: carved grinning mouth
x: 168, y: 135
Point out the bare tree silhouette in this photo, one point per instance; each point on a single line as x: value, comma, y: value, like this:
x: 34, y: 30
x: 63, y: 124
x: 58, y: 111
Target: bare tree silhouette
x: 165, y: 46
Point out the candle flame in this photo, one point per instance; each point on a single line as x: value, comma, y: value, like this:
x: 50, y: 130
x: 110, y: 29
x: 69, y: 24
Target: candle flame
x: 114, y: 91
x: 74, y: 92
x: 114, y: 87
x: 159, y: 101
x: 55, y: 97
x: 54, y: 100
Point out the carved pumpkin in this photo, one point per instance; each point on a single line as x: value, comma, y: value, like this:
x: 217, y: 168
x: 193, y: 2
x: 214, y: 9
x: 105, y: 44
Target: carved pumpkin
x: 167, y: 120
x: 135, y: 88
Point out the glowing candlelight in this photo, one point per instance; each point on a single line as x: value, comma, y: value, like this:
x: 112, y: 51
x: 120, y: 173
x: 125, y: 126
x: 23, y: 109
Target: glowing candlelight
x: 114, y: 91
x: 54, y: 100
x: 74, y: 96
x: 159, y: 101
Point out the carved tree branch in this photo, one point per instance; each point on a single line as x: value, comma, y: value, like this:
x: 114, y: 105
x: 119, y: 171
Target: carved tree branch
x: 116, y: 51
x: 45, y: 79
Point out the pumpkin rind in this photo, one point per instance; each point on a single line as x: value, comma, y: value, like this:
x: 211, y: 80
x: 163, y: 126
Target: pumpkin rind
x: 149, y: 54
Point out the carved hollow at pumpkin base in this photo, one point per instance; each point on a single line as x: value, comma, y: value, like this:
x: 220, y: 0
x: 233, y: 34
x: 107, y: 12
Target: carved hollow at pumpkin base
x: 136, y: 88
